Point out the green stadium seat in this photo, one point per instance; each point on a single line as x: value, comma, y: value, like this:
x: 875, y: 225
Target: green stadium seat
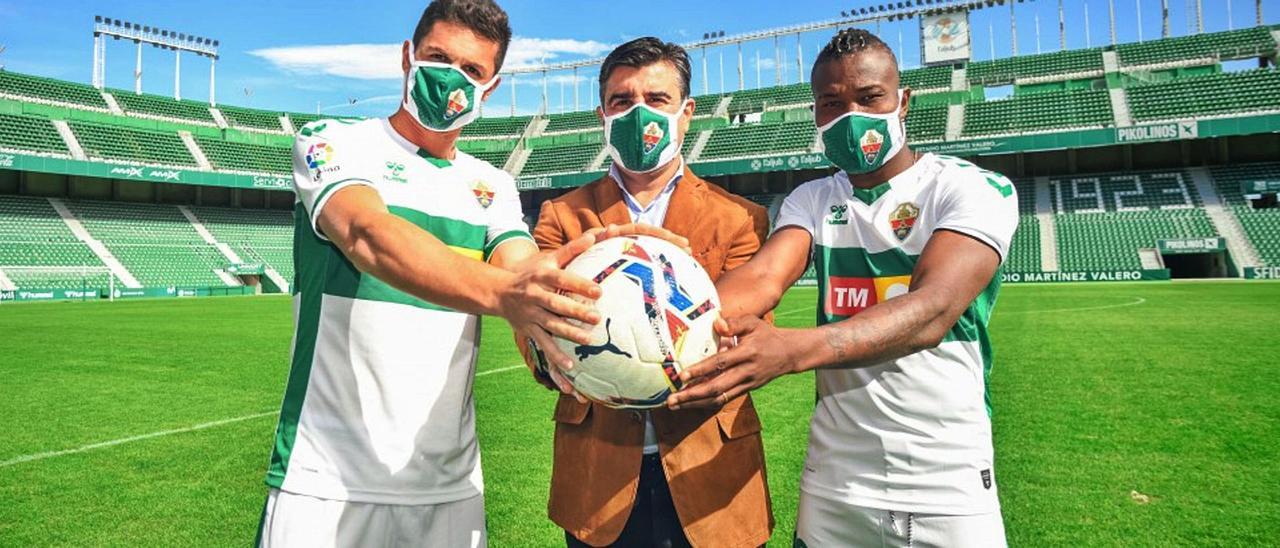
x: 50, y: 90
x: 1038, y: 111
x: 1234, y: 44
x: 1227, y: 93
x: 132, y: 145
x: 927, y: 122
x: 759, y: 100
x: 560, y: 159
x: 572, y: 121
x: 497, y: 127
x: 927, y: 77
x: 1007, y: 70
x: 496, y: 158
x: 232, y: 156
x: 743, y: 140
x: 1261, y: 226
x: 155, y: 105
x: 245, y: 118
x: 30, y: 134
x: 264, y: 236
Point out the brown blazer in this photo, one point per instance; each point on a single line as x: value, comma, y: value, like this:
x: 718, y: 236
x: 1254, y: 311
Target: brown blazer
x: 714, y: 460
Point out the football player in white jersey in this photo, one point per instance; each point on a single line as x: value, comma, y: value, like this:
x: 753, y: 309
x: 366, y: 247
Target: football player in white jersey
x: 907, y: 248
x: 401, y: 242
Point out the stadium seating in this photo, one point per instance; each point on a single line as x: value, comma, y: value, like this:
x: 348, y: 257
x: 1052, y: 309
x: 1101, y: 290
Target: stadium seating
x: 1038, y: 111
x: 1251, y: 42
x: 705, y: 105
x: 1225, y: 93
x: 927, y: 122
x: 155, y: 105
x: 50, y: 90
x: 560, y: 159
x: 1111, y: 240
x: 1135, y: 191
x: 156, y: 243
x: 757, y: 100
x: 33, y: 235
x: 760, y: 138
x: 300, y: 120
x: 572, y: 121
x: 1009, y: 69
x: 264, y: 236
x: 927, y: 77
x: 1024, y: 250
x: 232, y: 156
x: 132, y: 145
x: 1261, y: 226
x: 496, y: 127
x: 246, y: 118
x: 29, y: 133
x: 496, y: 158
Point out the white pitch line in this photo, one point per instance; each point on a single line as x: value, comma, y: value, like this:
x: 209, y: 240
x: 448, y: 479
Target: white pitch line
x: 499, y: 370
x: 140, y: 437
x: 100, y: 445
x: 1135, y: 302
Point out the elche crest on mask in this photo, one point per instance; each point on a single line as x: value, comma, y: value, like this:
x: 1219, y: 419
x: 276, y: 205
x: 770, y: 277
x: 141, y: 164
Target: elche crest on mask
x: 653, y: 134
x: 457, y: 103
x: 870, y: 144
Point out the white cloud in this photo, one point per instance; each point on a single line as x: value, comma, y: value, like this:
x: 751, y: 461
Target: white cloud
x: 382, y: 61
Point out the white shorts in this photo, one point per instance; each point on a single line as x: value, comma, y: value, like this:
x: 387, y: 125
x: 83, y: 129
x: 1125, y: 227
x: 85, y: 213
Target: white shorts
x: 822, y: 522
x: 290, y: 519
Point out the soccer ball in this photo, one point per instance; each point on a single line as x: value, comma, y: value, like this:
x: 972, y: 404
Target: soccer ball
x: 657, y: 308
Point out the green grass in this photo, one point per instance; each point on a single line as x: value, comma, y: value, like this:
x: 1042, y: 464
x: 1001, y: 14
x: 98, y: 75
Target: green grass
x: 1165, y: 389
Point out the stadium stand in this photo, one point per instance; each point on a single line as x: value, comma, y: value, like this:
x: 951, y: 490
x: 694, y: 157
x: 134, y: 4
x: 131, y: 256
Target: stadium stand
x: 49, y: 90
x: 33, y: 235
x: 246, y: 118
x: 497, y: 127
x: 132, y: 145
x: 496, y: 158
x: 164, y: 107
x: 232, y: 156
x: 1261, y: 226
x: 927, y: 78
x: 264, y: 236
x: 1060, y: 64
x: 927, y: 122
x: 560, y: 159
x: 1235, y: 44
x: 762, y: 138
x: 1227, y: 93
x: 1038, y: 111
x: 705, y: 105
x: 28, y: 133
x: 156, y: 243
x: 757, y: 100
x: 572, y: 121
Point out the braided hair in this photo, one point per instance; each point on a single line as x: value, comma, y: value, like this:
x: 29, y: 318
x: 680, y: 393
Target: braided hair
x: 850, y: 41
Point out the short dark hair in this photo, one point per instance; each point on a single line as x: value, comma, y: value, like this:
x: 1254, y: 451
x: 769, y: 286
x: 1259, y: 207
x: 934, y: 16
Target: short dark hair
x: 483, y: 17
x: 643, y: 52
x: 851, y: 41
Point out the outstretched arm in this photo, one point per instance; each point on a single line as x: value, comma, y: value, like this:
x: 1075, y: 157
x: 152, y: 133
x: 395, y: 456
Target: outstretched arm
x: 953, y: 269
x: 755, y: 287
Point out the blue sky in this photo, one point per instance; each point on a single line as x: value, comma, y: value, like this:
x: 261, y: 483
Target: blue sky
x: 298, y: 56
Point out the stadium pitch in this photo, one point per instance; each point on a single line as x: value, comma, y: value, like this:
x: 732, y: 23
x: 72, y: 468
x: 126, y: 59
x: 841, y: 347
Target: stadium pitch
x: 1125, y: 414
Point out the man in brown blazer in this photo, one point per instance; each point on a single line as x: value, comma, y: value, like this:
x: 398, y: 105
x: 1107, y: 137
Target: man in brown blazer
x: 661, y: 478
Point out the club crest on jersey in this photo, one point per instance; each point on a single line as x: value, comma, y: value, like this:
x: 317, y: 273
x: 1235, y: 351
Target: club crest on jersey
x: 652, y: 136
x: 903, y: 219
x: 457, y: 103
x: 870, y: 144
x: 484, y: 195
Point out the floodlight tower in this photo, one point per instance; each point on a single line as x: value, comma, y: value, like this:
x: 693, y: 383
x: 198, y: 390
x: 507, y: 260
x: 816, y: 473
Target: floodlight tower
x: 104, y: 27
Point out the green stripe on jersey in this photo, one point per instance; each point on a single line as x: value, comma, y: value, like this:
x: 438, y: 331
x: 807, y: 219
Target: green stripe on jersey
x: 870, y: 195
x: 313, y: 258
x: 493, y: 244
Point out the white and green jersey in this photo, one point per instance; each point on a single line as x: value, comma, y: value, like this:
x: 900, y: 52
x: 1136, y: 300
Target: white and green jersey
x: 912, y: 434
x: 378, y: 404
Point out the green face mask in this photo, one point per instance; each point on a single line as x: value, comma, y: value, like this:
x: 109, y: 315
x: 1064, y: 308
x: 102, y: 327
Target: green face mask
x: 641, y: 138
x: 441, y: 97
x: 861, y: 142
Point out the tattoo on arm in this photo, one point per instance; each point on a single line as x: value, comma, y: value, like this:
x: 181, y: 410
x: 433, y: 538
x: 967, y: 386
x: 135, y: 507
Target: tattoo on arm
x: 841, y: 342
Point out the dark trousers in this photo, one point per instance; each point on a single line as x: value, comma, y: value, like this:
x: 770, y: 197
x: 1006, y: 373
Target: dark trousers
x: 653, y: 521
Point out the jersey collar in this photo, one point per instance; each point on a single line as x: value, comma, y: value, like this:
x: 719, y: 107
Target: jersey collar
x: 411, y: 148
x: 870, y: 195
